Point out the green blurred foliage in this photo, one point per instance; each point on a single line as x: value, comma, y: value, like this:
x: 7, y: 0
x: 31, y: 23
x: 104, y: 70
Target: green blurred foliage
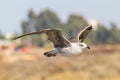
x: 49, y: 19
x: 75, y: 23
x: 25, y: 27
x: 1, y: 35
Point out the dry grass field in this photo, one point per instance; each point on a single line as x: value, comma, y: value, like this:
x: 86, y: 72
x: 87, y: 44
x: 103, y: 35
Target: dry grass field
x: 102, y: 62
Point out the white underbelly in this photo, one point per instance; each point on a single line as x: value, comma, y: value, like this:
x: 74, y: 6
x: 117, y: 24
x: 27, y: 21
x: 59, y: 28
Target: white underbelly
x: 71, y: 51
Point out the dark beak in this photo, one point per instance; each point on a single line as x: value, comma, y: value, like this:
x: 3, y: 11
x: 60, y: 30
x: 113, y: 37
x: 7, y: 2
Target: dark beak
x: 88, y: 47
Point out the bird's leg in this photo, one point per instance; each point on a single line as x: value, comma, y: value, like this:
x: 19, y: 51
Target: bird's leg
x: 50, y: 53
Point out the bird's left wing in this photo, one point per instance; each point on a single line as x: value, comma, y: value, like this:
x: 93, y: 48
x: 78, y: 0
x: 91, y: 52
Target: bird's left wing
x: 81, y: 35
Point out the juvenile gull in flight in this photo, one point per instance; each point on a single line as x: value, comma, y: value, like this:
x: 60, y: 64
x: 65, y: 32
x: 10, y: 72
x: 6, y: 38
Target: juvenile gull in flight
x: 62, y: 45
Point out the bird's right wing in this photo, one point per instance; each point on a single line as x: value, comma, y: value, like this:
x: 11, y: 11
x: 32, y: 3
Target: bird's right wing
x: 55, y: 35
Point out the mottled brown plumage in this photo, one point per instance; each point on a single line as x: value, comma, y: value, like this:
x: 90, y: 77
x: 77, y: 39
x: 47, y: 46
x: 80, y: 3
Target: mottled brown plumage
x: 81, y: 35
x: 63, y: 46
x: 55, y: 35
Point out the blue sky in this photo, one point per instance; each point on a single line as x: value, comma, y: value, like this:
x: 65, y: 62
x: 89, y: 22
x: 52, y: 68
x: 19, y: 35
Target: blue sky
x: 12, y: 12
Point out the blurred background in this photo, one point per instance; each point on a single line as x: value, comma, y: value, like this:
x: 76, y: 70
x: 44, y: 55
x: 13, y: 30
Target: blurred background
x: 23, y: 59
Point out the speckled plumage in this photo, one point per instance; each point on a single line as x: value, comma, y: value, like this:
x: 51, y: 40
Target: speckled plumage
x: 64, y: 46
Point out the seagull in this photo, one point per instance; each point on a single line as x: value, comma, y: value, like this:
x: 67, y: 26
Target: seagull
x: 63, y: 46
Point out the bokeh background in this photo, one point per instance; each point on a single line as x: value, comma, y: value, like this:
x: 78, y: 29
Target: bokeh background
x: 23, y: 59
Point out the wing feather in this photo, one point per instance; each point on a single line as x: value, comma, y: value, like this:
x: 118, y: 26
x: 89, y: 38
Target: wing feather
x: 55, y: 35
x: 80, y: 36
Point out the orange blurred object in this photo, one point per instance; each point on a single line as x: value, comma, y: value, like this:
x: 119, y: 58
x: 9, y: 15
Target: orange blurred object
x: 24, y: 50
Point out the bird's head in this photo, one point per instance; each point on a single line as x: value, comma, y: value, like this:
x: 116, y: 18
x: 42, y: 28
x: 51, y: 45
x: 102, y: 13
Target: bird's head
x: 84, y: 46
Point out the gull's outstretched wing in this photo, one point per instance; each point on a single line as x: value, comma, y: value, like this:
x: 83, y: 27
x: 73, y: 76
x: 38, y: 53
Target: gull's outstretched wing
x: 80, y: 36
x: 55, y: 35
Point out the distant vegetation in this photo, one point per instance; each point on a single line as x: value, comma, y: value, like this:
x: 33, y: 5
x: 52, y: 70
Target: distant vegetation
x: 49, y: 19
